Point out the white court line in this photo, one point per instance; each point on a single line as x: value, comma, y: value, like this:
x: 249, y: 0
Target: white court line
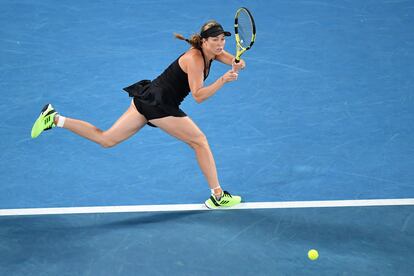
x: 201, y: 207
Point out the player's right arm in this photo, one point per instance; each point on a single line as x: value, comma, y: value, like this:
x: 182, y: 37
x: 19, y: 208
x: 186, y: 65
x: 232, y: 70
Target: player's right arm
x: 194, y: 66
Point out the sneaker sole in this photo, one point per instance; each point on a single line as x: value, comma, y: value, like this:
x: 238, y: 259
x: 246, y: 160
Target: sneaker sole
x: 38, y: 126
x: 35, y: 132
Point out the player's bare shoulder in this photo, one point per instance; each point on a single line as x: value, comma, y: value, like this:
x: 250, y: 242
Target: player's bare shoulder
x: 191, y: 59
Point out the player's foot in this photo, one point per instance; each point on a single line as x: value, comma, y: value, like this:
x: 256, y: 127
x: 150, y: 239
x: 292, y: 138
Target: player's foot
x: 227, y: 200
x: 45, y: 120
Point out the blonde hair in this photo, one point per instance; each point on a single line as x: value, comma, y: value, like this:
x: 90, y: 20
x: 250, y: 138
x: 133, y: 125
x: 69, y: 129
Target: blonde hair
x: 196, y: 40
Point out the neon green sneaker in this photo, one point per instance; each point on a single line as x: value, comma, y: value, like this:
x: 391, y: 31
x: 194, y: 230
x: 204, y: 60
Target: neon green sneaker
x: 227, y: 200
x: 45, y: 120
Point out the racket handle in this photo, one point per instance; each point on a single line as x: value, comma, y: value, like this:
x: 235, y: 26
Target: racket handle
x: 237, y: 60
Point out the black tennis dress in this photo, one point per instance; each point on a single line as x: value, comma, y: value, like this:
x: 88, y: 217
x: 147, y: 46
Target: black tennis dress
x: 162, y: 96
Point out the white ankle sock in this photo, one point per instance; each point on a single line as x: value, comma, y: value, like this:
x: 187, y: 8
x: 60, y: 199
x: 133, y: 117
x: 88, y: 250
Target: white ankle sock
x: 212, y: 190
x: 61, y: 121
x: 218, y: 197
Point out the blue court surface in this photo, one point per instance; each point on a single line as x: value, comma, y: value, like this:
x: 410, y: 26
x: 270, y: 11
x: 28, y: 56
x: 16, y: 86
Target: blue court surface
x: 323, y: 112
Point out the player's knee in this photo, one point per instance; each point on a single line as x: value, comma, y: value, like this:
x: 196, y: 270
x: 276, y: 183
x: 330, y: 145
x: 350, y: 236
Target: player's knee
x: 199, y: 141
x: 107, y: 142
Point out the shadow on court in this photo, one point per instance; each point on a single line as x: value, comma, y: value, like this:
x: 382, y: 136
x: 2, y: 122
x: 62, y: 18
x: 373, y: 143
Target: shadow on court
x: 366, y: 240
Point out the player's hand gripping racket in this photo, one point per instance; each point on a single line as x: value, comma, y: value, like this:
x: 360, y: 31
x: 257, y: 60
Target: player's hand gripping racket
x: 244, y: 31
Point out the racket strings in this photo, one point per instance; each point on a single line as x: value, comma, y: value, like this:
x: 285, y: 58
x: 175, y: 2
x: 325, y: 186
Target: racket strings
x: 245, y: 29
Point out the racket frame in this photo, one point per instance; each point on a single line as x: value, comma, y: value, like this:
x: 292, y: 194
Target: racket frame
x: 239, y: 48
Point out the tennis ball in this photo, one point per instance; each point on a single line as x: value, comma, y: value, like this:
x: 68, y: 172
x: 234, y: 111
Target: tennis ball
x: 313, y: 254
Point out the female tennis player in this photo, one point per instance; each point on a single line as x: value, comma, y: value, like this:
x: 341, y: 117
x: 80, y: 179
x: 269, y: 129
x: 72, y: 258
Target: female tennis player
x: 157, y: 103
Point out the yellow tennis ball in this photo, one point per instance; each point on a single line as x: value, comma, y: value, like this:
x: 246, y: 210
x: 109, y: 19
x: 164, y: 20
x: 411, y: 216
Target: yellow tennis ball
x: 313, y: 254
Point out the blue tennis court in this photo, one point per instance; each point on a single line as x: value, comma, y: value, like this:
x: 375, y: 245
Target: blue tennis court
x: 322, y: 112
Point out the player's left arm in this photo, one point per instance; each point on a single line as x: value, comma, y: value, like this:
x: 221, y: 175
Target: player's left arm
x: 227, y: 58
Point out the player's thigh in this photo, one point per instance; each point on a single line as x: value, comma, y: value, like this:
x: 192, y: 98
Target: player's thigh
x: 182, y: 128
x: 127, y: 125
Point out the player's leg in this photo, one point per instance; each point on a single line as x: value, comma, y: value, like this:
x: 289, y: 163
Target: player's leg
x: 127, y: 125
x: 186, y: 130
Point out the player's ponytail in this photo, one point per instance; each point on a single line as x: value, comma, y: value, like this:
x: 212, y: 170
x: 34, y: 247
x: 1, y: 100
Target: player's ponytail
x: 195, y: 40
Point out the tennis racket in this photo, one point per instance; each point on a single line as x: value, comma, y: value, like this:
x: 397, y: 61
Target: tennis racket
x: 244, y: 31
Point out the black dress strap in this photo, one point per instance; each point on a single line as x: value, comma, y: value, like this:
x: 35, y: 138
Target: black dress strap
x: 206, y: 70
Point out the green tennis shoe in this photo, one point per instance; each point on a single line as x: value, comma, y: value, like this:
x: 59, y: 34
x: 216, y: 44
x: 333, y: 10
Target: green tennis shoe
x: 45, y: 120
x: 226, y: 201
